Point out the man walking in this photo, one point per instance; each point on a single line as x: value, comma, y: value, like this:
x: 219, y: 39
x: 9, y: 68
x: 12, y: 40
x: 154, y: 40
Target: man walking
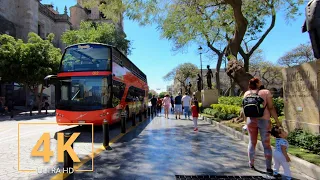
x: 186, y: 103
x: 153, y: 104
x: 178, y: 105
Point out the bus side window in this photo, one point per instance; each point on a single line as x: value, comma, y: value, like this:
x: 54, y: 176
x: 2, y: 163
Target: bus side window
x: 118, y: 91
x: 130, y: 95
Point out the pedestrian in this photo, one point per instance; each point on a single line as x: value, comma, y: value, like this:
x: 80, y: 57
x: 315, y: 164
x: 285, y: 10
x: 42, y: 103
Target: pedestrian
x: 153, y: 101
x: 159, y: 104
x: 195, y: 114
x: 280, y: 156
x: 172, y: 104
x: 166, y: 104
x: 186, y: 103
x: 261, y: 122
x: 178, y: 105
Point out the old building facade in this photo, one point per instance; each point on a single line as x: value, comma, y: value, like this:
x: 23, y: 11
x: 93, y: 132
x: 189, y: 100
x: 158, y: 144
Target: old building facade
x: 19, y: 17
x: 24, y: 16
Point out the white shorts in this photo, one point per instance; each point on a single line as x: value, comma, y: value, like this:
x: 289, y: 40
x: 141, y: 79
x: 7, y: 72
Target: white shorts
x: 178, y: 108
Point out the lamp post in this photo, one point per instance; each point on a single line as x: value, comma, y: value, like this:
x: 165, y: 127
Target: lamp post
x: 200, y: 52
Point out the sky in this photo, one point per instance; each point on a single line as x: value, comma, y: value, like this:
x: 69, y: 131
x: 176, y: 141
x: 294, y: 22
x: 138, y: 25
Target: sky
x: 154, y: 56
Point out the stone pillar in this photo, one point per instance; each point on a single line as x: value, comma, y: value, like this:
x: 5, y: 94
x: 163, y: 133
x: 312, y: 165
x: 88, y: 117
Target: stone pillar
x: 301, y: 97
x: 208, y: 97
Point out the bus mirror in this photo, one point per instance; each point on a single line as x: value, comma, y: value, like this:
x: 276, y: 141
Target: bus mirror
x: 48, y: 80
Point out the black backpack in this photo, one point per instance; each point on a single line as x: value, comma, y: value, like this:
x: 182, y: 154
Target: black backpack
x: 253, y: 105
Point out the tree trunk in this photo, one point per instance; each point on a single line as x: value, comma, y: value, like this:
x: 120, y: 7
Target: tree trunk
x: 246, y: 63
x: 218, y: 72
x: 40, y: 99
x: 235, y: 69
x: 27, y: 95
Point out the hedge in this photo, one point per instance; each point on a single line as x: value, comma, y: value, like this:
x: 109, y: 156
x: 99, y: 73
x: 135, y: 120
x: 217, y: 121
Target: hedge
x: 237, y: 101
x: 305, y: 140
x: 222, y: 111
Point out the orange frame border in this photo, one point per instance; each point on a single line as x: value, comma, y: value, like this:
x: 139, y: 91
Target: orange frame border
x: 32, y: 170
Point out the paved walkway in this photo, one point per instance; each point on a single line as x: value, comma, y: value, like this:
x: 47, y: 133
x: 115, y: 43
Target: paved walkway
x: 163, y: 148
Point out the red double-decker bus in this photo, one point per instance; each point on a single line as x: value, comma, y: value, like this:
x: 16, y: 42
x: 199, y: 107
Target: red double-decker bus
x: 96, y: 82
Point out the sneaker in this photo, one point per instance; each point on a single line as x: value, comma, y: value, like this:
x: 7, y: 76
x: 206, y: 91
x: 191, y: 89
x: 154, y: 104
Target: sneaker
x: 251, y: 166
x: 270, y: 172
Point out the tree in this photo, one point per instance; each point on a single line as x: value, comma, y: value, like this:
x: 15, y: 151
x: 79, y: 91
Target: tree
x: 28, y: 63
x: 181, y: 73
x: 234, y: 15
x: 162, y: 94
x: 298, y: 55
x: 269, y: 73
x: 98, y: 32
x: 151, y: 93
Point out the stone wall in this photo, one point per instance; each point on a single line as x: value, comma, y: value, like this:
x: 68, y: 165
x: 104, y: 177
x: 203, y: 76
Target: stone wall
x: 28, y: 17
x: 301, y: 96
x: 77, y: 14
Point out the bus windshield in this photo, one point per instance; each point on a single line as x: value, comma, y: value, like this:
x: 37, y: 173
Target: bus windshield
x: 88, y: 57
x: 84, y: 93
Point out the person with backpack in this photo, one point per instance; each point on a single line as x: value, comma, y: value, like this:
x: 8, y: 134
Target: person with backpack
x: 257, y: 109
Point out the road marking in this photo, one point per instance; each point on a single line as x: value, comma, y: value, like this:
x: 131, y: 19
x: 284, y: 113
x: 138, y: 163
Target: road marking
x: 94, y: 154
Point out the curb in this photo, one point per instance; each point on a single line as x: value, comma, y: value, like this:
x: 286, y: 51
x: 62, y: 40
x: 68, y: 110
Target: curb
x: 26, y: 117
x: 303, y: 166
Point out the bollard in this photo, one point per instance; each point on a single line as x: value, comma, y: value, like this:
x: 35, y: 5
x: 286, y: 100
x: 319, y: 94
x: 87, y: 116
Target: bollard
x: 67, y: 162
x: 106, y: 137
x: 31, y: 112
x: 11, y: 113
x: 123, y: 124
x: 133, y: 119
x: 145, y: 113
x: 140, y: 117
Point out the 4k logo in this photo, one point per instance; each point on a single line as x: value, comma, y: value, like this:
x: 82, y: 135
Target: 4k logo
x: 46, y: 153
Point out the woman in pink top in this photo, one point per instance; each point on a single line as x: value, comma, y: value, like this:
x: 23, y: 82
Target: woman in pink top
x: 166, y: 104
x: 262, y: 124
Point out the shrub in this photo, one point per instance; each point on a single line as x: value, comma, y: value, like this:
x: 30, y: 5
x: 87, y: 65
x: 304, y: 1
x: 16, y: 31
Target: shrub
x: 305, y: 140
x: 281, y: 118
x: 200, y: 107
x: 227, y: 109
x: 230, y: 100
x: 279, y: 105
x: 222, y: 111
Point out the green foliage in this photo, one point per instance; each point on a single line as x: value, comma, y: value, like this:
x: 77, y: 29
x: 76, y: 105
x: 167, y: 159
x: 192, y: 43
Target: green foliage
x: 97, y: 32
x: 181, y: 73
x: 227, y: 109
x: 279, y: 105
x: 162, y: 94
x: 230, y: 100
x: 237, y: 101
x: 28, y: 63
x: 305, y: 140
x: 222, y: 111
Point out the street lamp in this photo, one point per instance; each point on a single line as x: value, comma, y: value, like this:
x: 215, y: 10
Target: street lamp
x: 200, y: 52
